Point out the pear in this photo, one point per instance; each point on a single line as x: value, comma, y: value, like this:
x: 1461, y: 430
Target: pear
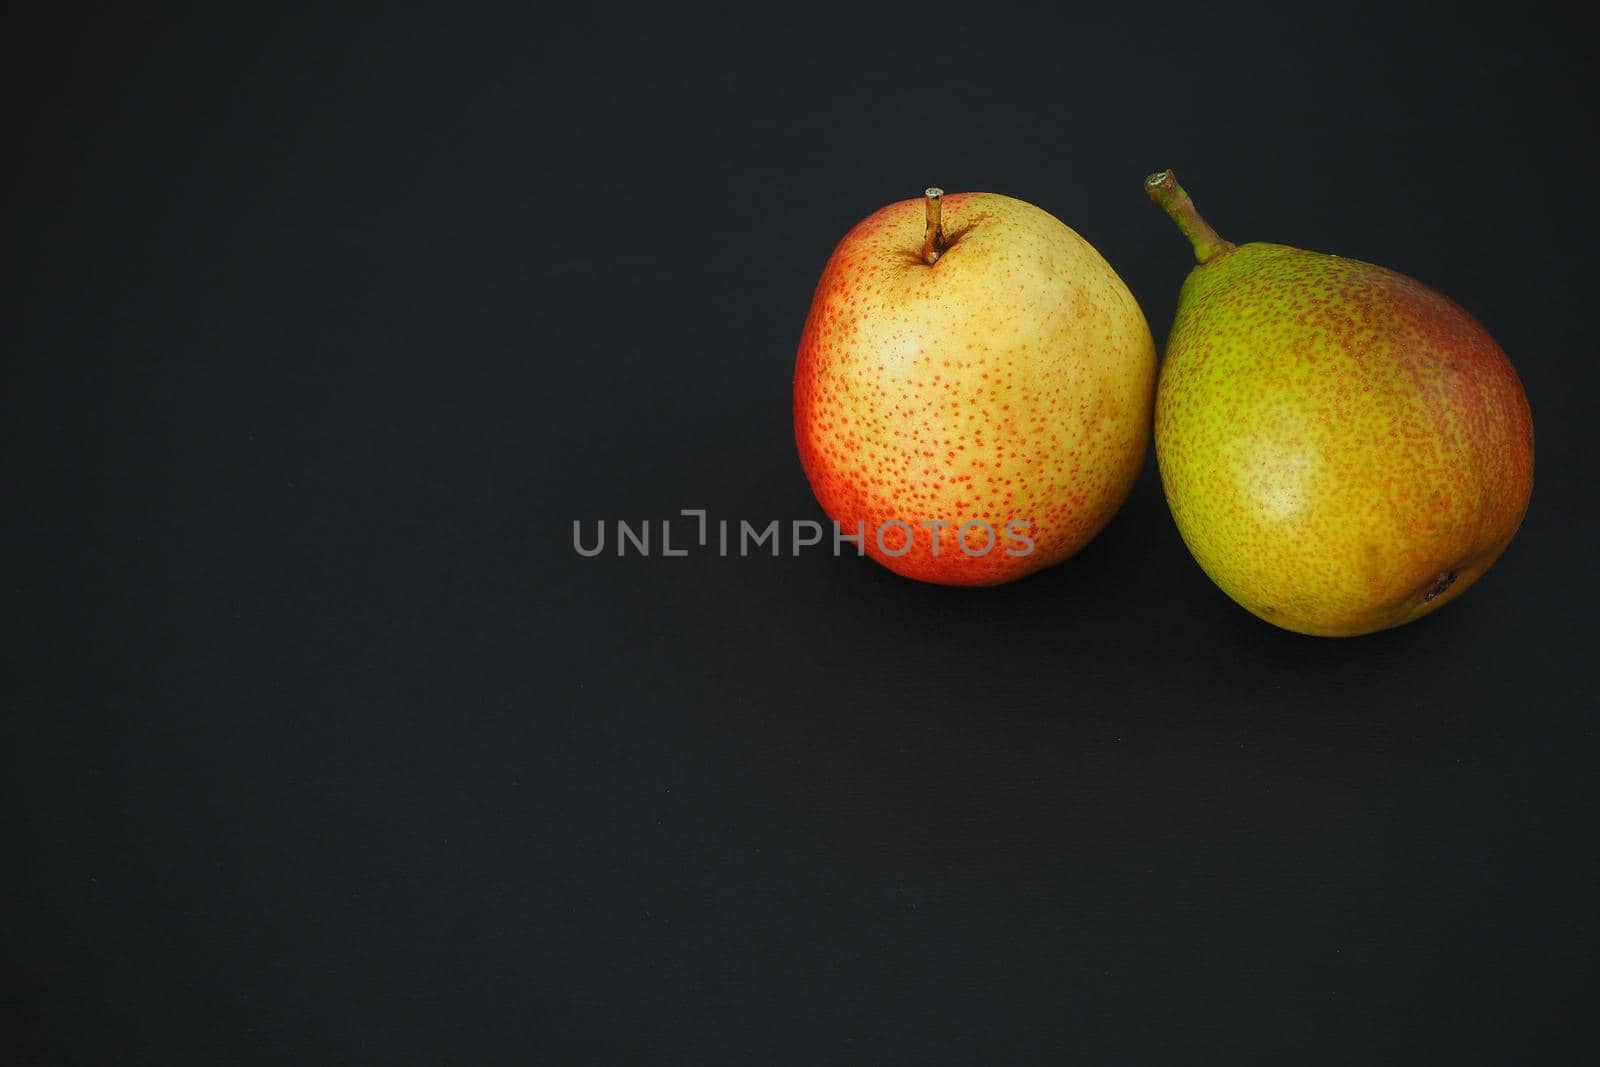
x: 1343, y: 448
x: 972, y: 389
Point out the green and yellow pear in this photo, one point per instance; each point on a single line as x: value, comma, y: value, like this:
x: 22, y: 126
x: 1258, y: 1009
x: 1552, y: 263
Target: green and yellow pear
x: 1343, y: 448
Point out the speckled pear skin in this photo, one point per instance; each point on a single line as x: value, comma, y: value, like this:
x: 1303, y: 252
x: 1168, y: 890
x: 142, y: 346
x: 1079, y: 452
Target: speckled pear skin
x: 1011, y: 380
x: 1343, y: 448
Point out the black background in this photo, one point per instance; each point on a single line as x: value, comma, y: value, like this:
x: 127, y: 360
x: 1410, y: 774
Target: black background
x: 325, y: 746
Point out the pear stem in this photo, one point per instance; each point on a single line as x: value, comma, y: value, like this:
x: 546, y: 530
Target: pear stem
x: 1165, y: 190
x: 933, y: 235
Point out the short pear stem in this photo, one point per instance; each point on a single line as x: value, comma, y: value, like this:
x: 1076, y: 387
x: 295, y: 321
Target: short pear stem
x: 933, y: 235
x: 1165, y: 190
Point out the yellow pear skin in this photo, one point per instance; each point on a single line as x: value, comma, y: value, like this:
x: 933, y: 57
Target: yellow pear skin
x: 1343, y: 448
x: 970, y: 359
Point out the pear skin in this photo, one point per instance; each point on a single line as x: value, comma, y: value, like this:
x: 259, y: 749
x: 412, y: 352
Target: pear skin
x: 969, y: 359
x: 1343, y: 448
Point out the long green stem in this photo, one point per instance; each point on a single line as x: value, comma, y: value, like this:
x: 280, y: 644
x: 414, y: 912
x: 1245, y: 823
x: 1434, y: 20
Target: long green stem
x: 1165, y: 190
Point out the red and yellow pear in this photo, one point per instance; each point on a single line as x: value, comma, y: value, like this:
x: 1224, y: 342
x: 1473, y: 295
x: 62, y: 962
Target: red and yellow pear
x: 973, y: 388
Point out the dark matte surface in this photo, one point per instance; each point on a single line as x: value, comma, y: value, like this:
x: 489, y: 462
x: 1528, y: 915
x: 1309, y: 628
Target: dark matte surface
x: 324, y: 746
